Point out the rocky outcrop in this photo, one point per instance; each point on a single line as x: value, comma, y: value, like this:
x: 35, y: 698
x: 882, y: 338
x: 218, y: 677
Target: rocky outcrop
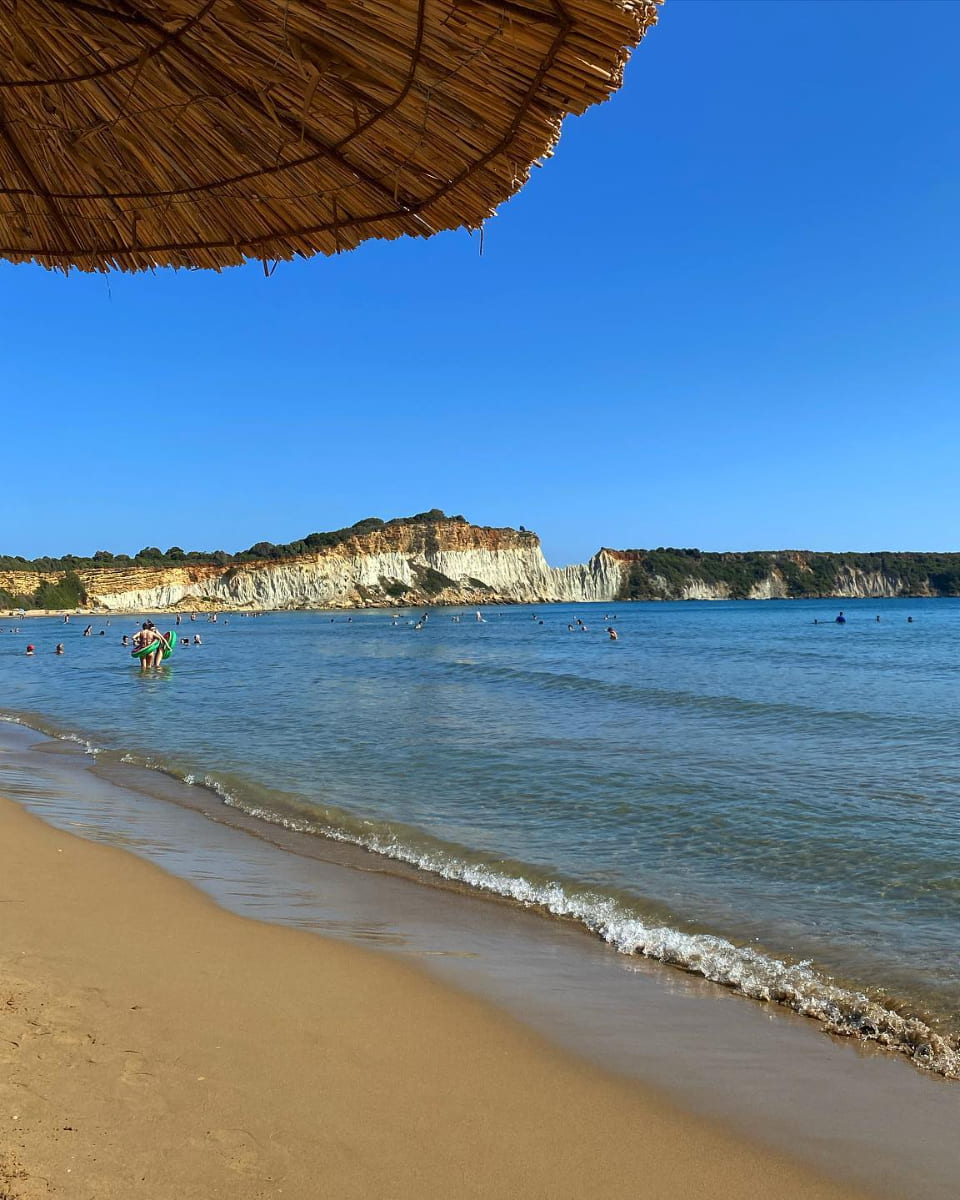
x: 780, y: 575
x: 408, y: 564
x: 418, y: 563
x: 600, y: 579
x: 852, y: 584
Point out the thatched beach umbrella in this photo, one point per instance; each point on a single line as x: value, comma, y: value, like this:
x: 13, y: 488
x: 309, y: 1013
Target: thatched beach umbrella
x: 199, y: 133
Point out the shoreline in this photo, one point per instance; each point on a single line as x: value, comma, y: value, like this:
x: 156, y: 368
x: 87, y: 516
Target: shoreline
x: 246, y: 610
x: 153, y: 1039
x: 793, y: 985
x: 768, y: 1077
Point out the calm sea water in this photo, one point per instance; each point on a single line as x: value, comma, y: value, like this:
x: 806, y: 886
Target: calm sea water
x: 730, y: 787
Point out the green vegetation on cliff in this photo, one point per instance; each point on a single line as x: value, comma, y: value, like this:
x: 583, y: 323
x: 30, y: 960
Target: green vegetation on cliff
x: 67, y: 592
x: 663, y: 573
x: 175, y: 556
x: 654, y: 574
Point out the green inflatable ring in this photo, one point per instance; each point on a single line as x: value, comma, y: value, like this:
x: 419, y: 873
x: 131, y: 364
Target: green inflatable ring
x: 155, y: 645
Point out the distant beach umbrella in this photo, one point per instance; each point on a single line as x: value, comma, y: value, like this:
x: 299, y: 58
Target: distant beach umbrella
x: 201, y: 133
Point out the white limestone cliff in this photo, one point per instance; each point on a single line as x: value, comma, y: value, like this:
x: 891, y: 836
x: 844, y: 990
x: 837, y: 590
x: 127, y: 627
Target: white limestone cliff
x: 446, y: 562
x: 420, y: 563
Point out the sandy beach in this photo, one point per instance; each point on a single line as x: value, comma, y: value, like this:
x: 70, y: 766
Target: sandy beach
x: 154, y: 1044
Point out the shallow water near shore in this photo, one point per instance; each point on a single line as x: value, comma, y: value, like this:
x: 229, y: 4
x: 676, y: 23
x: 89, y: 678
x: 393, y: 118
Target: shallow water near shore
x: 849, y: 1111
x: 746, y: 790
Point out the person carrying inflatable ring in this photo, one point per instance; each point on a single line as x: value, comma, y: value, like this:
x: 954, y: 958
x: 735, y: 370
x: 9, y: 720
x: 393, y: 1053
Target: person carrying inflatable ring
x: 151, y: 646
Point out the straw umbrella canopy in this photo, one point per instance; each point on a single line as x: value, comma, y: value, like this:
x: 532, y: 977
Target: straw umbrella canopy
x: 203, y: 133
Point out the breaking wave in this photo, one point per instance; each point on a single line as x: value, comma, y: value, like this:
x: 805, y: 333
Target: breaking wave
x: 798, y: 986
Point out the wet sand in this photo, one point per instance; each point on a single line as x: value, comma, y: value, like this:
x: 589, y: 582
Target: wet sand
x: 154, y: 1043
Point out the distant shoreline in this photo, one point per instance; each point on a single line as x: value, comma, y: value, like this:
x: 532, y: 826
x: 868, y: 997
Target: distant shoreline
x: 432, y: 560
x: 220, y: 609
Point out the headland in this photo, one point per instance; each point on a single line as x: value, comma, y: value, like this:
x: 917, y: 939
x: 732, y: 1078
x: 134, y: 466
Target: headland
x: 432, y: 559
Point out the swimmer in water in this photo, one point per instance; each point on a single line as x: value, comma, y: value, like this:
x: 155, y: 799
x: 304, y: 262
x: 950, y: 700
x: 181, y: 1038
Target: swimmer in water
x: 59, y: 649
x: 612, y: 632
x: 841, y: 619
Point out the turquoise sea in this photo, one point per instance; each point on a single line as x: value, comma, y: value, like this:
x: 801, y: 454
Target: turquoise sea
x: 745, y: 790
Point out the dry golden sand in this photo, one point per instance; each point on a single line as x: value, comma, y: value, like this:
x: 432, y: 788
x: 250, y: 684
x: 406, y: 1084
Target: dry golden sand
x: 154, y: 1045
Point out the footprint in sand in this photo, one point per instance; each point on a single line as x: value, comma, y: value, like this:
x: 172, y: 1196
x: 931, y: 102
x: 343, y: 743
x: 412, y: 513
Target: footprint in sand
x: 135, y: 1070
x: 139, y: 1086
x: 238, y: 1149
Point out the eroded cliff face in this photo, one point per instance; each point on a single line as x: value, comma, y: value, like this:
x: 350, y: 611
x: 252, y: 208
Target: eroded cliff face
x: 781, y: 569
x: 437, y: 562
x: 418, y: 564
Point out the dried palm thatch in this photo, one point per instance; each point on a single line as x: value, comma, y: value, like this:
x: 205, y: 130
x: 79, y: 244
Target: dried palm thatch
x: 200, y: 133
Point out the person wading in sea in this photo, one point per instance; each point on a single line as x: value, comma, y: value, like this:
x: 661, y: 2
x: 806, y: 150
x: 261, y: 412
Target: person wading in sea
x: 141, y: 640
x: 146, y: 636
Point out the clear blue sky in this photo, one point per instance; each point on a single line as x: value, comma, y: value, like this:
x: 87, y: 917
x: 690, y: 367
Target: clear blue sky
x: 724, y: 315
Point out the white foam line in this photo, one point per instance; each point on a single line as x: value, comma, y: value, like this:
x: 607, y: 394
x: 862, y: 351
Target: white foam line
x: 798, y: 986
